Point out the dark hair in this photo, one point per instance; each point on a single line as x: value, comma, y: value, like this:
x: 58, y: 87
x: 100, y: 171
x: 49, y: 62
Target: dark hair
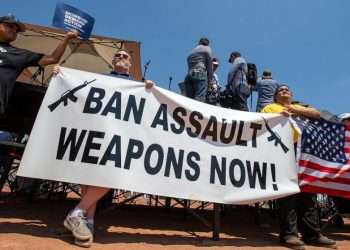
x: 204, y: 41
x: 234, y: 55
x: 267, y: 74
x: 277, y: 89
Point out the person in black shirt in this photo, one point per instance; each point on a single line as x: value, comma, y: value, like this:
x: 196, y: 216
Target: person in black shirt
x: 14, y: 60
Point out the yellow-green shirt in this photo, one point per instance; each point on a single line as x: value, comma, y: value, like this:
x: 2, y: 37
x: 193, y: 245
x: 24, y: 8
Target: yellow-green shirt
x: 278, y: 108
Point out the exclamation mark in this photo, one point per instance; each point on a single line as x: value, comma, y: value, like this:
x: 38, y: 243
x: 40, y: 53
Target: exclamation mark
x: 273, y: 173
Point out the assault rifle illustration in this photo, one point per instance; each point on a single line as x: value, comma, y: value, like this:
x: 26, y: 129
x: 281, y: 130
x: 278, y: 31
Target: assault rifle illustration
x: 275, y: 137
x: 68, y: 95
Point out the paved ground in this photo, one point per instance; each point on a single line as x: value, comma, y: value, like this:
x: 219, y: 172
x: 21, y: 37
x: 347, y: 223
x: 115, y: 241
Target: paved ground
x: 37, y: 225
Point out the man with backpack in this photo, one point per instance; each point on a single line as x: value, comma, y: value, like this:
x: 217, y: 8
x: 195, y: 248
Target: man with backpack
x: 237, y: 82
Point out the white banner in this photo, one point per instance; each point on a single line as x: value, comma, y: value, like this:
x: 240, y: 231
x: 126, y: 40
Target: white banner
x: 112, y: 132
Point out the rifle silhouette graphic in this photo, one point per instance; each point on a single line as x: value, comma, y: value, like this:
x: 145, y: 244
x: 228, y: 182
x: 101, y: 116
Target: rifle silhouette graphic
x: 275, y: 137
x: 68, y: 95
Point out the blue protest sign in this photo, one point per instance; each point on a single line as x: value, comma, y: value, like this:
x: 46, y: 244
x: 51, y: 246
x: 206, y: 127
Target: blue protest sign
x: 70, y: 18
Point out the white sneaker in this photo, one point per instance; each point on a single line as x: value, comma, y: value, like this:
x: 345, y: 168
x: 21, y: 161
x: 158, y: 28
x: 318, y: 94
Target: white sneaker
x: 78, y: 226
x: 86, y: 243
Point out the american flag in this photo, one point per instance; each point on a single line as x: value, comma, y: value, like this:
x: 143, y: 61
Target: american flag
x: 324, y: 157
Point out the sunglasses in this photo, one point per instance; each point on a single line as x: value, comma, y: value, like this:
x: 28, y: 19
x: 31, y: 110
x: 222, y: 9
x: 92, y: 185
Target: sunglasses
x: 120, y: 55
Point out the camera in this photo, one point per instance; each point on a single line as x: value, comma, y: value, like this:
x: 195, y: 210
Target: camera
x: 226, y: 98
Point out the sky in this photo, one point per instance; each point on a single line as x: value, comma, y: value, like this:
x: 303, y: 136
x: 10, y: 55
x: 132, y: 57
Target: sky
x: 304, y: 43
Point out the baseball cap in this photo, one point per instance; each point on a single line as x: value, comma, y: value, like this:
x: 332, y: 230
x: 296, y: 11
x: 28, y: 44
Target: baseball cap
x: 267, y: 74
x: 12, y: 19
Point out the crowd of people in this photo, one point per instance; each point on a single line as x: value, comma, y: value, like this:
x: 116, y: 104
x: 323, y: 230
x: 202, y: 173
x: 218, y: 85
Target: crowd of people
x: 297, y: 213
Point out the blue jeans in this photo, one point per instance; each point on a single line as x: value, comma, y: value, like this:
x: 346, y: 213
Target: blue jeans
x: 196, y: 84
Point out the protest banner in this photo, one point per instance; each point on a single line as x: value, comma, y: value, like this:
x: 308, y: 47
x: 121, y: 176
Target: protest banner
x: 112, y: 132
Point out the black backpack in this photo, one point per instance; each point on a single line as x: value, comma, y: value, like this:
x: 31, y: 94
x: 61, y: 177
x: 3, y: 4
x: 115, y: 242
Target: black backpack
x: 252, y: 74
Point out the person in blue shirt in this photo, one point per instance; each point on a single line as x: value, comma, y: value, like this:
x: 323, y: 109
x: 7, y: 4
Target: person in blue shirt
x: 237, y: 82
x: 266, y: 87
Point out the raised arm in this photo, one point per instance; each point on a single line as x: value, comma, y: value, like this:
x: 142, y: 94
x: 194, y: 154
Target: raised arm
x: 58, y: 52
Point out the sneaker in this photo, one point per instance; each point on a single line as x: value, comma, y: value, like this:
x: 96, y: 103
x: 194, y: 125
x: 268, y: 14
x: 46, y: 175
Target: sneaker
x: 91, y: 227
x: 83, y: 243
x: 86, y: 243
x: 78, y: 226
x: 322, y: 241
x: 293, y: 242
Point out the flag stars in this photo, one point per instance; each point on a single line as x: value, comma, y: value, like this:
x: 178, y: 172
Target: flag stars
x: 324, y: 140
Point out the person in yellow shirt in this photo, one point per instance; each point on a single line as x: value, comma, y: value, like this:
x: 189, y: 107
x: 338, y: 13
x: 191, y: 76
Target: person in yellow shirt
x: 283, y: 104
x: 297, y: 212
